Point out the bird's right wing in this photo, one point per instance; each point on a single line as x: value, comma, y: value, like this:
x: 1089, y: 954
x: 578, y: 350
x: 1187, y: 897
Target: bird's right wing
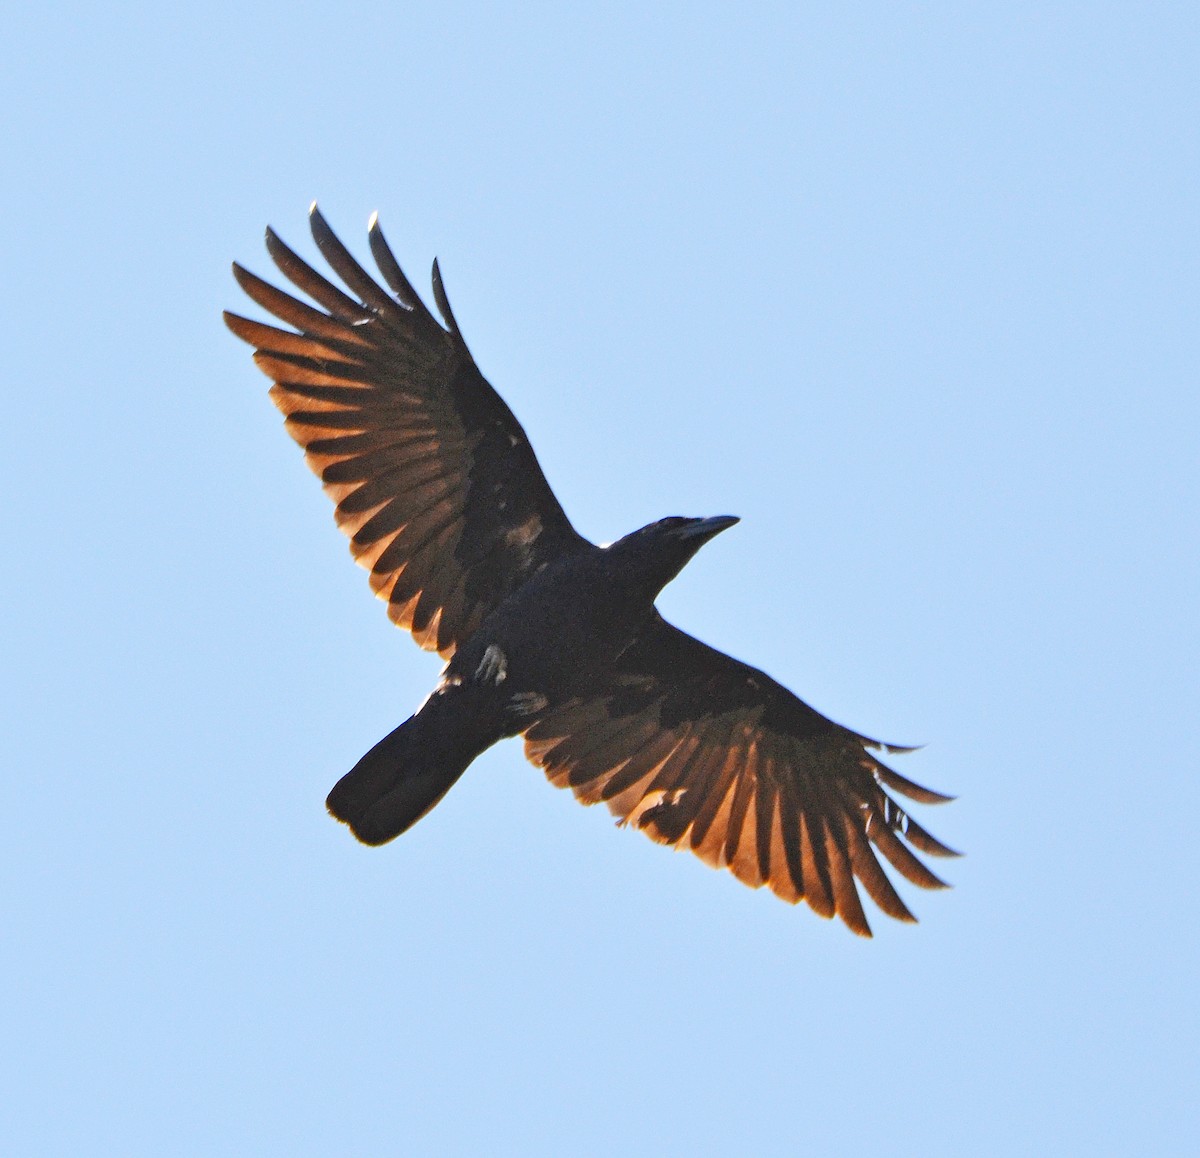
x: 435, y: 482
x: 703, y: 752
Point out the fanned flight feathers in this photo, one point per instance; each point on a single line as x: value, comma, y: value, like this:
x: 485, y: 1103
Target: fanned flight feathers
x: 435, y: 482
x: 704, y: 753
x: 549, y: 636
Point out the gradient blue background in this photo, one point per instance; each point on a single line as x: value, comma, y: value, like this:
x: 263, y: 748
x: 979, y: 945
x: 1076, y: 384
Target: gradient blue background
x: 912, y: 288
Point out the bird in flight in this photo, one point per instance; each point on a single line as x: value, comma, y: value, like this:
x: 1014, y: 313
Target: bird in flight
x: 548, y: 636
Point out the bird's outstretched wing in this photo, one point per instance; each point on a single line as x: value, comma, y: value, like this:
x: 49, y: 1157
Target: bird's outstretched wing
x: 702, y: 752
x: 434, y: 480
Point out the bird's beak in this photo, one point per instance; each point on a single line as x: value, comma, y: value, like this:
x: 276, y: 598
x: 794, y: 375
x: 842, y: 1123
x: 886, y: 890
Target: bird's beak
x: 707, y: 528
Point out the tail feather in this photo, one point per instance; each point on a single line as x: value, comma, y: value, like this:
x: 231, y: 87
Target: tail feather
x: 399, y: 780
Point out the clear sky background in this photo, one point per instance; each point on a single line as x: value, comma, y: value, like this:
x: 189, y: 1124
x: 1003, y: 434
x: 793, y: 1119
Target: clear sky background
x: 912, y: 288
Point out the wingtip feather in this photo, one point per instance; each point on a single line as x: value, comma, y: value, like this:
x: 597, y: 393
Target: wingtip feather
x: 443, y: 302
x: 317, y: 223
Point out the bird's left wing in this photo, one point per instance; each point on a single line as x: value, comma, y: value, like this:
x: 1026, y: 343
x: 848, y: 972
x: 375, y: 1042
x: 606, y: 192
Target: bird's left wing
x: 435, y: 482
x: 703, y: 752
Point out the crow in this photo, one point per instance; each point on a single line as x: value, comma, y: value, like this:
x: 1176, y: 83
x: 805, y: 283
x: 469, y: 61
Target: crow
x: 548, y: 636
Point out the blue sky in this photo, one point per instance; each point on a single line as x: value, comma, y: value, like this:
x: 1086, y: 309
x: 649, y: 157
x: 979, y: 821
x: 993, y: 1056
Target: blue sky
x: 912, y: 288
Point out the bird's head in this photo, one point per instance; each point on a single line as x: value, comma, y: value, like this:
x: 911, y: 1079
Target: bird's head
x: 657, y: 552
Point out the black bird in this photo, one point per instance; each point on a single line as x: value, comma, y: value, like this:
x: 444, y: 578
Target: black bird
x: 547, y: 635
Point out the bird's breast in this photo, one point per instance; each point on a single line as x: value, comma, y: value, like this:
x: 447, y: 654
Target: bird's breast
x: 552, y: 638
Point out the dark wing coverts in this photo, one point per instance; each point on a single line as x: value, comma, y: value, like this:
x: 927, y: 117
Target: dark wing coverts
x: 702, y: 752
x: 435, y: 481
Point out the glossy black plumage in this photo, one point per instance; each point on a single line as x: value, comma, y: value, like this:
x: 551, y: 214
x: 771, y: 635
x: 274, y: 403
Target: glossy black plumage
x: 547, y: 635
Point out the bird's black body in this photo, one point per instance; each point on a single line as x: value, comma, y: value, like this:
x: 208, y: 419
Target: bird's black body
x: 572, y: 620
x: 546, y: 643
x: 547, y: 635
